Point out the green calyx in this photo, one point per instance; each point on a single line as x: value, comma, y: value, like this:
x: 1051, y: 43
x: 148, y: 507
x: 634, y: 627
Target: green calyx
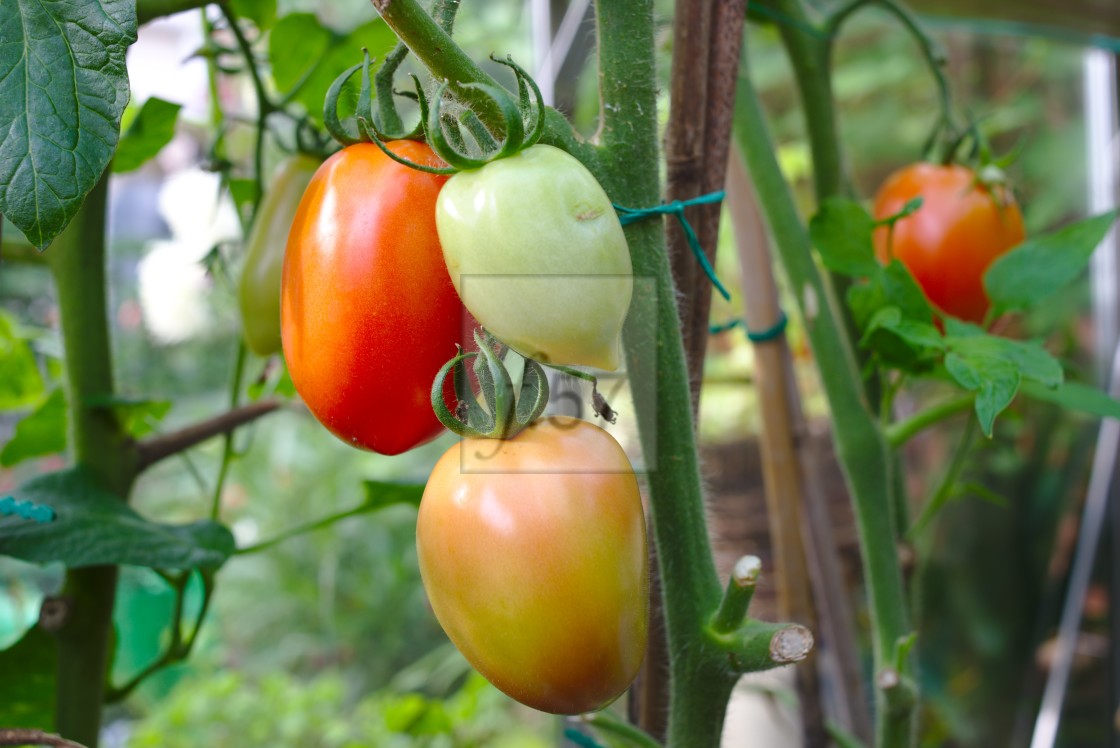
x: 450, y: 136
x: 506, y: 409
x: 370, y: 121
x: 521, y: 126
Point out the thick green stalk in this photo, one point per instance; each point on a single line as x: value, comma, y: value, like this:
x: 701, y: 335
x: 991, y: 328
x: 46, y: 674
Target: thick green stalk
x: 810, y: 52
x: 861, y: 446
x: 700, y: 679
x: 77, y: 259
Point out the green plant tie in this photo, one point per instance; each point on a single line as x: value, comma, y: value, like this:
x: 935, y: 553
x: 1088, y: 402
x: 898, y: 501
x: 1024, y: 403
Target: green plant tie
x: 27, y: 509
x: 580, y: 739
x: 676, y: 208
x: 762, y: 336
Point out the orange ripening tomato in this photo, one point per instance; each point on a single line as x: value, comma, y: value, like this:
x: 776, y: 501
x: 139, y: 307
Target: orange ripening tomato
x: 949, y: 242
x: 368, y: 311
x: 533, y: 554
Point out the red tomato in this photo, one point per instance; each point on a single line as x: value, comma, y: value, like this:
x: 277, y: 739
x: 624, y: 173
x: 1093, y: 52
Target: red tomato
x: 533, y: 554
x: 951, y: 240
x: 368, y: 312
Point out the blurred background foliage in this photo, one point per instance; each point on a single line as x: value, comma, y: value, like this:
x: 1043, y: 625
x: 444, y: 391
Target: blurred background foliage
x: 327, y: 640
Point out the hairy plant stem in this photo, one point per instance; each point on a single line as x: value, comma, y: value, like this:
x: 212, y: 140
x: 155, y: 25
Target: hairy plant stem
x: 99, y: 443
x: 700, y: 676
x: 810, y: 52
x: 901, y: 432
x: 862, y: 449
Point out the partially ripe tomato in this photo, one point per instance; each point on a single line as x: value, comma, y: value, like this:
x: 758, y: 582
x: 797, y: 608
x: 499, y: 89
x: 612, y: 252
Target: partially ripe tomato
x: 538, y: 255
x: 533, y: 553
x: 948, y: 243
x: 258, y: 291
x: 368, y: 312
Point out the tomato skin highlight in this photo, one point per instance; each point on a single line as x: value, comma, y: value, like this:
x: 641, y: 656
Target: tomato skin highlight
x: 368, y: 312
x: 258, y: 290
x: 538, y: 256
x: 950, y: 241
x: 536, y: 565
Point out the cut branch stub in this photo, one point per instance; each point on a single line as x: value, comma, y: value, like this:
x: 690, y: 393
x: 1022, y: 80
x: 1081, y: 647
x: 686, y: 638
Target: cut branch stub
x: 505, y: 410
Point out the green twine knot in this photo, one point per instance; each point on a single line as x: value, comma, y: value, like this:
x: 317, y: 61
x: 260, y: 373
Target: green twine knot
x: 580, y: 739
x: 676, y: 208
x: 762, y: 336
x: 26, y: 509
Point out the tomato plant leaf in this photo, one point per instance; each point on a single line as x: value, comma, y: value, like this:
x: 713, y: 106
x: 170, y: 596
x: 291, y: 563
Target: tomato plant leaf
x: 918, y: 334
x: 138, y: 416
x: 958, y: 328
x: 1075, y: 396
x: 41, y: 432
x: 63, y: 88
x: 307, y: 57
x: 21, y: 385
x: 1029, y: 359
x: 151, y: 129
x: 995, y: 381
x: 841, y: 232
x: 1038, y: 267
x: 901, y: 289
x: 261, y: 12
x: 27, y: 701
x: 893, y: 313
x: 93, y: 526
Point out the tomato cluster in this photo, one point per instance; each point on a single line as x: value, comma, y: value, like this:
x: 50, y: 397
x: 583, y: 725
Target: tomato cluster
x: 368, y: 315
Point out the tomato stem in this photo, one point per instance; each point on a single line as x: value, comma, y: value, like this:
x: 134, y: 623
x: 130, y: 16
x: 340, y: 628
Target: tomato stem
x: 903, y: 431
x: 737, y: 597
x: 861, y: 446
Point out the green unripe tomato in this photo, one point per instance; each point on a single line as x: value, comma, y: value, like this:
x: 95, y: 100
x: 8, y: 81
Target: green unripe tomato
x: 538, y: 256
x: 258, y: 292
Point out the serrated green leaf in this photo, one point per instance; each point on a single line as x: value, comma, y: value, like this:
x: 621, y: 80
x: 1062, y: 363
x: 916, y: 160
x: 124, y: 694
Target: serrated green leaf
x: 308, y: 56
x: 261, y: 12
x: 94, y: 527
x: 41, y: 432
x: 243, y: 192
x: 138, y: 416
x: 1031, y: 360
x: 1075, y: 396
x: 1037, y: 268
x: 27, y: 699
x: 20, y: 382
x: 957, y: 328
x: 918, y: 334
x: 151, y: 129
x: 841, y: 232
x: 903, y: 291
x: 380, y: 495
x: 995, y: 381
x: 63, y: 87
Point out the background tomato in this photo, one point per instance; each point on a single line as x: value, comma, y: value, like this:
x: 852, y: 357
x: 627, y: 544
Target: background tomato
x: 951, y: 240
x: 538, y: 255
x: 368, y: 311
x: 533, y: 554
x: 258, y: 291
